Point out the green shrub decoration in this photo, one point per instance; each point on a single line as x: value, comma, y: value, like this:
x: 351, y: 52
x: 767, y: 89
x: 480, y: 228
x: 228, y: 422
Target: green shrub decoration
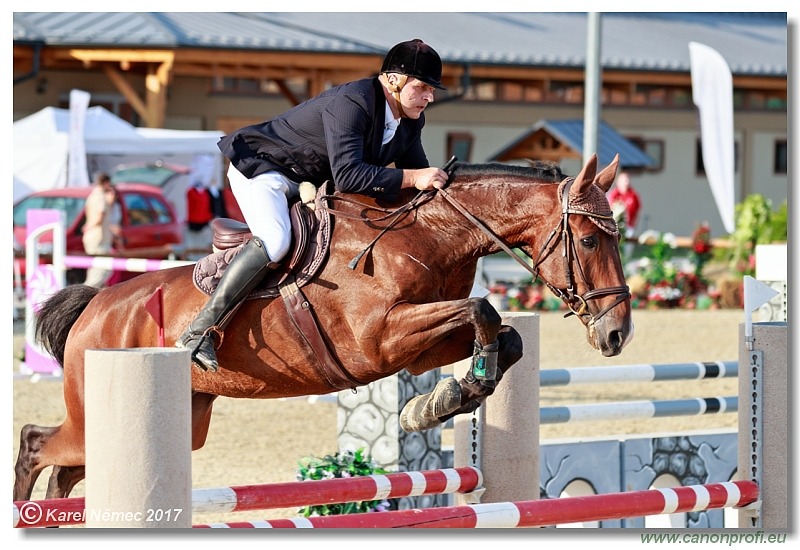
x: 340, y: 465
x: 756, y: 223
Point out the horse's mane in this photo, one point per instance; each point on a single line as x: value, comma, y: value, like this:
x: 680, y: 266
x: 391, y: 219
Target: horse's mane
x: 540, y: 170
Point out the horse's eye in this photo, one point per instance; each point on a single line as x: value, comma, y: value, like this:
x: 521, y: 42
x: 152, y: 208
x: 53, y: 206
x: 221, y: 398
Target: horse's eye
x: 589, y: 242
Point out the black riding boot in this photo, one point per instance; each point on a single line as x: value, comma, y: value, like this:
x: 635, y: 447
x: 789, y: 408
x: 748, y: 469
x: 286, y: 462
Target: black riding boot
x: 239, y: 279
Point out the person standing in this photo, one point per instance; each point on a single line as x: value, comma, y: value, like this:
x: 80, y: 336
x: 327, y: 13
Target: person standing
x: 199, y: 214
x: 218, y: 208
x: 349, y: 134
x: 624, y: 197
x: 99, y: 229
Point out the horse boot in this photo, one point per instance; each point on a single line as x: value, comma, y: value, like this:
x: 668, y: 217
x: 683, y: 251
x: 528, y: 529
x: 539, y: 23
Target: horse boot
x: 423, y: 411
x: 240, y: 278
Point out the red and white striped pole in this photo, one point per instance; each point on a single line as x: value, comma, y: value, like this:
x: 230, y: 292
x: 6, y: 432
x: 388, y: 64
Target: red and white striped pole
x: 70, y: 511
x: 535, y: 513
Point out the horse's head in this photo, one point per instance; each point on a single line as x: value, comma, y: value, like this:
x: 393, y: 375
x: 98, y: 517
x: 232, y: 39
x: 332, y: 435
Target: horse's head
x: 580, y: 259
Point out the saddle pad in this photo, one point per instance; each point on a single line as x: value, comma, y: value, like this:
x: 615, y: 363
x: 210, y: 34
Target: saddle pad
x: 301, y: 264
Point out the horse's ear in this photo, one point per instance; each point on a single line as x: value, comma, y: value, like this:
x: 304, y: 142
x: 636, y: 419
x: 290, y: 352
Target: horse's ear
x: 607, y: 175
x: 585, y: 178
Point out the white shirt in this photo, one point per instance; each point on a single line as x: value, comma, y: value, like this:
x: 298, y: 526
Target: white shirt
x: 390, y: 125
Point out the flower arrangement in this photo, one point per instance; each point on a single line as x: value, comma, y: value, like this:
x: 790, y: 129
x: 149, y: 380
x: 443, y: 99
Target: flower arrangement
x: 341, y: 465
x: 661, y: 280
x: 526, y: 296
x: 657, y: 266
x: 701, y: 247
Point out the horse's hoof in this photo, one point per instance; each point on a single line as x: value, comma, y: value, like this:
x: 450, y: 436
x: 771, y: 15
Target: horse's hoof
x: 423, y: 412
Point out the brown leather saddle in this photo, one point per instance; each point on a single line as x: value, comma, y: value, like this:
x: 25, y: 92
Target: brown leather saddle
x: 311, y: 232
x: 311, y: 236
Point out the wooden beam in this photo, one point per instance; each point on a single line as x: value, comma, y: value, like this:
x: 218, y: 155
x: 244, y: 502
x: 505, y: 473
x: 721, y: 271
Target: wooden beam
x: 157, y: 84
x: 153, y: 108
x: 126, y: 89
x: 287, y: 92
x: 274, y: 65
x: 296, y: 60
x: 89, y: 57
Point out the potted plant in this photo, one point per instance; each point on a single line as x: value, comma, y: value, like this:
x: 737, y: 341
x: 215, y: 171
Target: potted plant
x: 341, y: 465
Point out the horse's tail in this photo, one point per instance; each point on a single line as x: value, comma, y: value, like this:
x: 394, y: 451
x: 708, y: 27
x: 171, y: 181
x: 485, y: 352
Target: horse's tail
x: 57, y: 314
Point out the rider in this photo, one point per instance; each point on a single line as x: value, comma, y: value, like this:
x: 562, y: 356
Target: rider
x: 349, y: 134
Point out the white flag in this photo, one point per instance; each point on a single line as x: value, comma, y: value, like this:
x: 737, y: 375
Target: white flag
x: 712, y: 92
x: 77, y: 173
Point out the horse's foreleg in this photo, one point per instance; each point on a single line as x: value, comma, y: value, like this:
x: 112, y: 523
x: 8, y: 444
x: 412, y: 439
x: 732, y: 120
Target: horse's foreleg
x: 451, y: 397
x: 473, y: 392
x: 425, y: 336
x: 448, y: 332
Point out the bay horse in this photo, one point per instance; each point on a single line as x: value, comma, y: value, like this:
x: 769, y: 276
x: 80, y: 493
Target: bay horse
x: 407, y: 306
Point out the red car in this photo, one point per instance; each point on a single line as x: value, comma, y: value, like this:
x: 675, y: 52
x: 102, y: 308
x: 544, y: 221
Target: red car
x: 149, y: 224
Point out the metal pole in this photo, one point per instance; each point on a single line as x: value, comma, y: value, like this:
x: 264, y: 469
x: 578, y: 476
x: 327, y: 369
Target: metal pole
x: 591, y: 115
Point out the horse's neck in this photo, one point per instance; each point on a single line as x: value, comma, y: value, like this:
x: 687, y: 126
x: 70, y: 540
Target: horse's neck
x: 508, y: 210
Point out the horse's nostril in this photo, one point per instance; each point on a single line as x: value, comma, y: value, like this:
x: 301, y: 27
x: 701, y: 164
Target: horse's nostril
x: 616, y: 339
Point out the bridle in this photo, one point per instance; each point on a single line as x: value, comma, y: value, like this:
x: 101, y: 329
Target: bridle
x: 578, y: 304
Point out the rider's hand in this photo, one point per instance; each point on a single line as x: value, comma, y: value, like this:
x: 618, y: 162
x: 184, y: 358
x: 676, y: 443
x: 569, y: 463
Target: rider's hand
x: 425, y: 179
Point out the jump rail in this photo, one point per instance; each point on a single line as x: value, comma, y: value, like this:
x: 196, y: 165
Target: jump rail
x: 122, y: 264
x: 639, y: 373
x: 535, y: 513
x: 638, y: 409
x: 71, y: 511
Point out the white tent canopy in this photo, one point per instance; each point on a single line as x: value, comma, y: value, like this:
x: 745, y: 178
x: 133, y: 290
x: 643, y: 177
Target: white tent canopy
x: 41, y: 150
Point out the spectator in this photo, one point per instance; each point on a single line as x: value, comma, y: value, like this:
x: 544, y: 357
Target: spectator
x: 199, y: 214
x: 100, y: 227
x: 624, y: 197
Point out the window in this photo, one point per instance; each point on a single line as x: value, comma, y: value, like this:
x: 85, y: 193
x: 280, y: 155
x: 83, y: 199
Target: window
x: 654, y: 148
x: 779, y: 167
x: 139, y: 212
x: 161, y: 211
x: 460, y: 145
x: 71, y: 206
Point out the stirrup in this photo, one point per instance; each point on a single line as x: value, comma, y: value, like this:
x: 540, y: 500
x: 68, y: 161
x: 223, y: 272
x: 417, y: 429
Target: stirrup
x: 214, y: 329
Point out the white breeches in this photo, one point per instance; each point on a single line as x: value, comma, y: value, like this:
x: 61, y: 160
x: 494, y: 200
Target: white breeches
x: 264, y: 201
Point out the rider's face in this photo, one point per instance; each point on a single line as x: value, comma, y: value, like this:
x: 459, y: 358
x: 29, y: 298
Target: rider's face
x: 415, y: 96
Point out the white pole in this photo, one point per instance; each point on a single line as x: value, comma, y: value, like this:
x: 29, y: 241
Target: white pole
x: 138, y: 438
x: 591, y: 89
x: 764, y: 422
x: 501, y: 438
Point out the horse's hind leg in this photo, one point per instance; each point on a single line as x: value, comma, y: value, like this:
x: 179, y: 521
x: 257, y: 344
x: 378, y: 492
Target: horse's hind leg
x: 28, y: 467
x: 63, y: 479
x: 451, y: 397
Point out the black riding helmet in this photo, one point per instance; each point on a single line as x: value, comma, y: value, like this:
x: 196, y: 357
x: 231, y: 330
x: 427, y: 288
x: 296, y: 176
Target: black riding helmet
x: 415, y: 58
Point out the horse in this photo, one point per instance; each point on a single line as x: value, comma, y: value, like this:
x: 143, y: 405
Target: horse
x: 406, y: 305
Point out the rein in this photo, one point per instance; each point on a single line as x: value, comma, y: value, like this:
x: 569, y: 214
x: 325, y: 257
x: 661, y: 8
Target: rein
x: 568, y: 295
